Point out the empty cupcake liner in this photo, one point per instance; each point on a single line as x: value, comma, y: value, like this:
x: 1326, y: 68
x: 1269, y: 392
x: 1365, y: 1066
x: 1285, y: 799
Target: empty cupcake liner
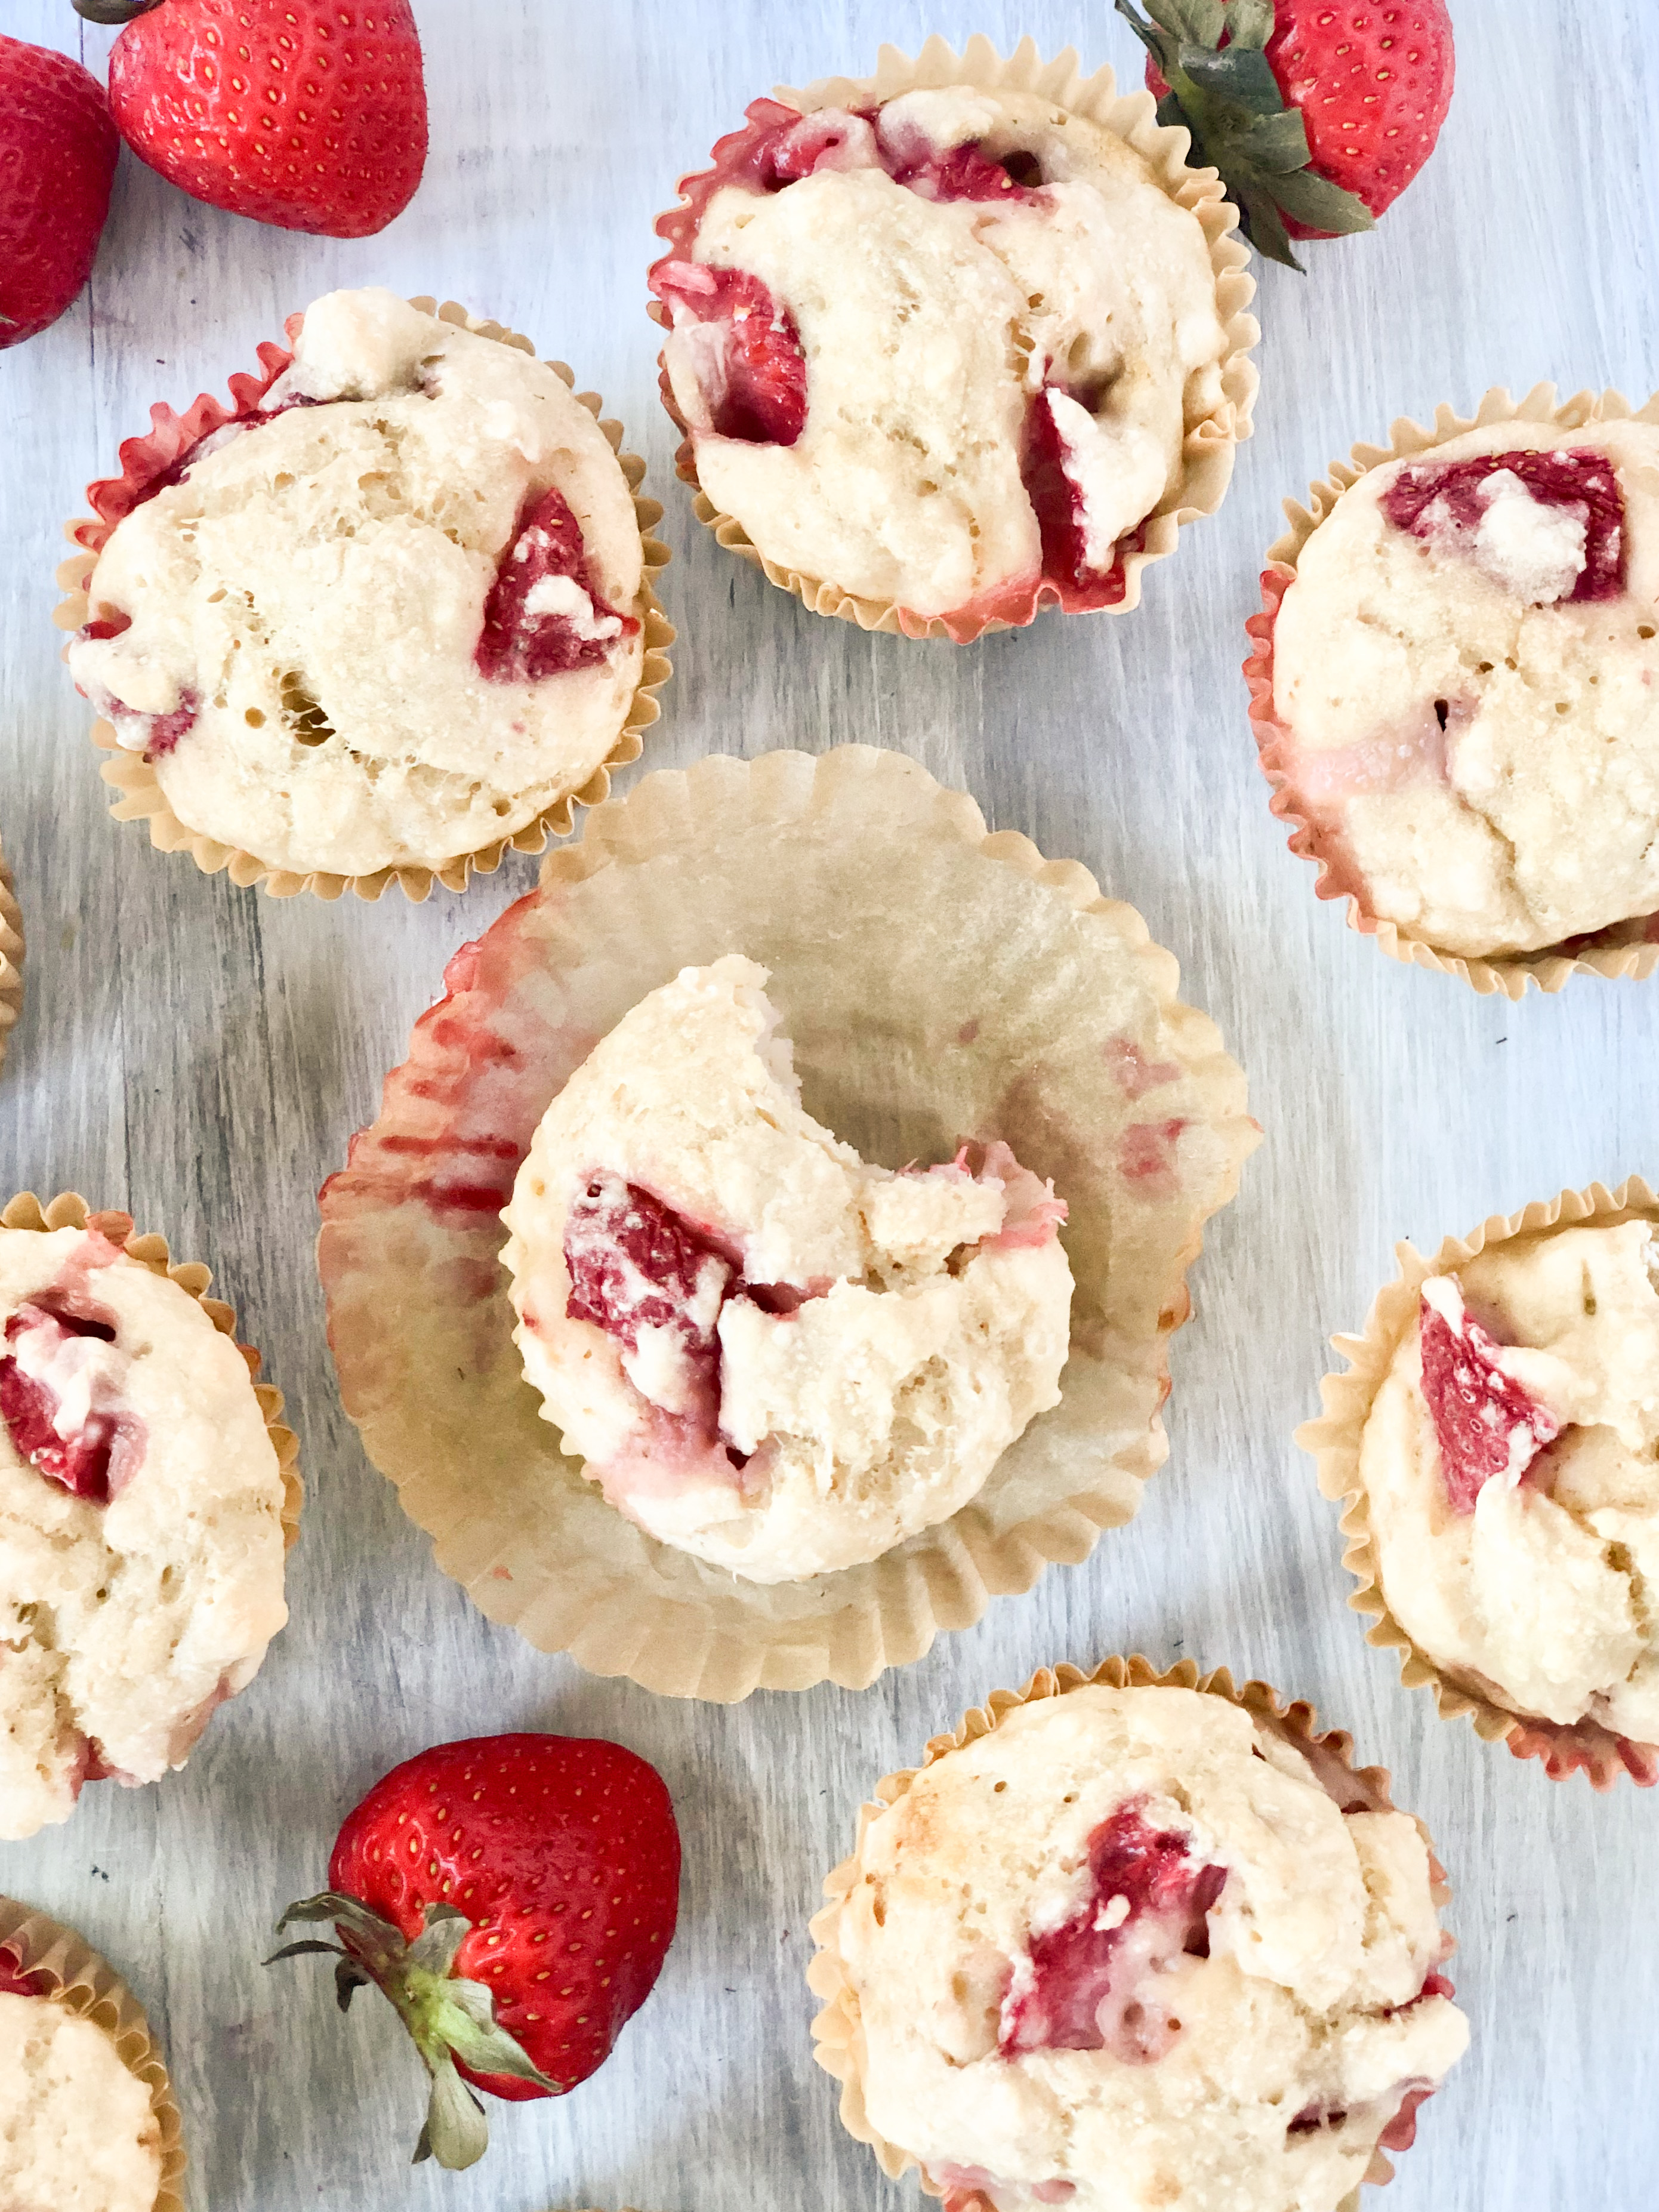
x: 837, y: 2032
x: 88, y: 1986
x: 1209, y: 450
x: 69, y: 1211
x: 1334, y: 1441
x: 1627, y: 948
x: 143, y: 459
x: 11, y: 957
x: 937, y: 983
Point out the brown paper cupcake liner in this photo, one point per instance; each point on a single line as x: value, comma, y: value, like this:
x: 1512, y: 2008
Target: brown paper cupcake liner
x: 11, y: 957
x: 69, y: 1211
x: 1624, y: 949
x: 1210, y: 444
x: 144, y: 459
x: 837, y: 2032
x: 1334, y: 1441
x: 937, y: 983
x: 87, y: 1985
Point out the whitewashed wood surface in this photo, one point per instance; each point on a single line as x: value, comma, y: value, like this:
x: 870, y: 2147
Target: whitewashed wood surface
x: 201, y: 1054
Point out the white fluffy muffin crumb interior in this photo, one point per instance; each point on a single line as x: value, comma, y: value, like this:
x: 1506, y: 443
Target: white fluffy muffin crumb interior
x: 1473, y: 699
x: 77, y: 2132
x: 132, y: 1603
x: 933, y: 321
x: 1124, y: 1954
x: 769, y: 1353
x: 1514, y: 1506
x: 309, y: 600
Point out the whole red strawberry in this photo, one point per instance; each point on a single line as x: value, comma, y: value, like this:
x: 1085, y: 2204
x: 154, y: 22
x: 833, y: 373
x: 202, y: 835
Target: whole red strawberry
x: 304, y: 113
x: 1318, y: 114
x: 57, y: 149
x: 514, y: 1898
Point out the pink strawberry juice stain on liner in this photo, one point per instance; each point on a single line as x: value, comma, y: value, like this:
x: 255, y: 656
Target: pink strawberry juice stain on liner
x: 1132, y: 1072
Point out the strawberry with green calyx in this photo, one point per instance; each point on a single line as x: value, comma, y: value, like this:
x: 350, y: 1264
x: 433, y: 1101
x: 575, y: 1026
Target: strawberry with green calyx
x: 297, y: 113
x: 1318, y: 114
x: 513, y: 1897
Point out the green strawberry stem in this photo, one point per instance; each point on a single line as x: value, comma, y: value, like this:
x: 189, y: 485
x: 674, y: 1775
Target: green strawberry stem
x: 1228, y: 99
x: 447, y: 2018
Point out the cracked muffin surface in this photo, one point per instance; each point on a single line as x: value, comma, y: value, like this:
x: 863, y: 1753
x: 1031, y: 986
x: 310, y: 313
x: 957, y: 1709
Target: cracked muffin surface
x: 388, y: 619
x: 1511, y: 1461
x: 1134, y: 1948
x: 140, y: 1537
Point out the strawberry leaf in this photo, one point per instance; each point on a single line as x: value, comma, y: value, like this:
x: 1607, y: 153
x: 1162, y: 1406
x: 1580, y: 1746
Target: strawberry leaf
x: 1239, y: 75
x: 456, y: 2132
x: 1279, y: 143
x: 1251, y: 22
x: 1322, y: 205
x: 1194, y: 22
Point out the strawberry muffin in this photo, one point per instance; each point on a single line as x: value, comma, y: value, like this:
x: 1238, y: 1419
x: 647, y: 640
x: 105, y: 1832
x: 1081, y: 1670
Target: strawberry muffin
x: 946, y: 352
x: 1510, y: 1464
x: 1463, y: 707
x: 1139, y: 1948
x: 769, y: 1353
x: 141, y: 1530
x: 390, y: 619
x: 78, y: 2128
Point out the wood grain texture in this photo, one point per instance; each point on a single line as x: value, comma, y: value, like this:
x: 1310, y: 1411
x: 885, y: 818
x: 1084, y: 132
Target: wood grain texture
x: 200, y: 1054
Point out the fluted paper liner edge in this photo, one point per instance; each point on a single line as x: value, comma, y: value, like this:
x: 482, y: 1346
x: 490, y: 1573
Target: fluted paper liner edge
x: 1333, y: 1441
x: 1209, y: 447
x: 11, y: 956
x: 86, y: 1984
x: 508, y: 1530
x: 1620, y: 949
x: 837, y: 2037
x: 130, y: 773
x: 68, y: 1210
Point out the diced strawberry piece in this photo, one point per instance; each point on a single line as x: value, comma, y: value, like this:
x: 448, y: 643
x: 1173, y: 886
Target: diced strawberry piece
x: 116, y: 625
x: 964, y: 173
x: 634, y: 1263
x: 164, y: 730
x: 1054, y: 498
x: 1147, y: 1906
x: 1486, y: 1424
x: 14, y: 1982
x: 1442, y: 500
x: 751, y: 369
x: 544, y: 615
x: 29, y: 1404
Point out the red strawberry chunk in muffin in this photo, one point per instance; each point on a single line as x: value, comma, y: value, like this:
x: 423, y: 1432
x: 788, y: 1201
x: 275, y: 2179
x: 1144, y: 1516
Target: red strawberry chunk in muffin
x: 55, y: 1392
x: 641, y: 1271
x: 1565, y: 508
x: 544, y: 615
x: 1091, y: 1984
x: 1487, y: 1424
x: 14, y: 1982
x: 751, y: 368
